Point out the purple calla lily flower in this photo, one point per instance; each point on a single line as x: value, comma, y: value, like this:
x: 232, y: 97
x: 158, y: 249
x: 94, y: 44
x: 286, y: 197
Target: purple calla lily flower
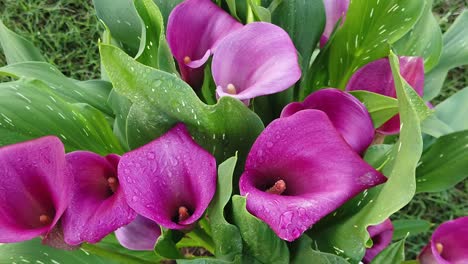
x: 258, y: 59
x: 377, y: 77
x: 299, y: 170
x: 448, y: 245
x: 194, y: 29
x: 381, y: 236
x: 35, y: 187
x: 349, y: 116
x: 334, y: 10
x: 98, y: 206
x: 171, y: 180
x: 141, y: 234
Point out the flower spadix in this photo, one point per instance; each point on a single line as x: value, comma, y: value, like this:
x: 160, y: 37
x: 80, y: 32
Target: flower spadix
x: 194, y: 29
x: 377, y: 77
x: 98, y: 206
x: 259, y: 59
x: 35, y: 187
x: 301, y: 169
x: 349, y: 116
x: 171, y: 180
x: 448, y: 245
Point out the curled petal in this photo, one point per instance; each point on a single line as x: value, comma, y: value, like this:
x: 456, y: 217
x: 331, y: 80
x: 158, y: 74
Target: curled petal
x: 141, y: 234
x: 258, y: 59
x: 349, y: 116
x: 449, y: 244
x: 194, y: 29
x: 98, y: 206
x: 381, y: 236
x: 171, y: 180
x: 35, y: 188
x: 377, y: 77
x: 299, y: 170
x: 334, y: 10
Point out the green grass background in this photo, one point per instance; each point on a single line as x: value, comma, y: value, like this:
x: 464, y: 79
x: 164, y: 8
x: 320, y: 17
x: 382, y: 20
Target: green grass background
x: 67, y: 32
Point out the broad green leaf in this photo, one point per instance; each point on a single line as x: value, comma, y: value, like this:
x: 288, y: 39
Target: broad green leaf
x: 154, y: 50
x: 348, y: 236
x: 423, y: 40
x: 121, y: 107
x: 370, y: 26
x: 94, y: 93
x: 111, y: 243
x: 444, y: 163
x: 166, y: 244
x: 407, y: 228
x: 303, y: 253
x: 17, y: 48
x: 121, y: 18
x: 160, y: 100
x: 449, y: 116
x: 227, y: 239
x: 260, y: 13
x: 395, y: 253
x: 304, y: 21
x: 259, y: 240
x: 31, y: 109
x: 454, y: 54
x: 166, y: 7
x: 381, y: 108
x: 378, y: 155
x: 232, y: 8
x: 34, y: 252
x: 206, y: 261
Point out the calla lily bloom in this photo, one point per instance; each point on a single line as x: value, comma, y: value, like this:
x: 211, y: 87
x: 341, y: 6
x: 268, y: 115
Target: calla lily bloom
x: 35, y: 187
x: 448, y: 245
x: 334, y: 10
x: 299, y: 170
x: 258, y: 59
x: 381, y: 236
x: 98, y: 206
x: 349, y: 116
x: 141, y: 234
x: 377, y: 77
x: 194, y: 29
x: 171, y: 180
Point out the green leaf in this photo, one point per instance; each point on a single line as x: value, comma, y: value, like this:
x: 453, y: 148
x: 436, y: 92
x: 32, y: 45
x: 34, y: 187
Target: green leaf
x: 381, y: 108
x: 121, y: 107
x: 111, y: 243
x: 304, y: 21
x: 17, y: 48
x: 166, y: 244
x: 260, y: 13
x: 423, y: 40
x: 406, y: 228
x: 444, y: 163
x: 154, y: 50
x: 232, y: 8
x: 227, y: 239
x: 206, y: 261
x: 395, y: 253
x: 160, y: 100
x: 378, y: 155
x: 166, y: 7
x: 31, y: 109
x: 303, y: 253
x: 348, y: 236
x: 370, y: 26
x: 94, y: 93
x: 259, y: 240
x: 449, y: 116
x: 121, y: 18
x: 34, y: 252
x: 454, y: 54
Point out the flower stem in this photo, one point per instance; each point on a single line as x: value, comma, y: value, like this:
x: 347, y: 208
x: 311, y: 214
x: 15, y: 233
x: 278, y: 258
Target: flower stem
x: 109, y: 254
x: 199, y: 235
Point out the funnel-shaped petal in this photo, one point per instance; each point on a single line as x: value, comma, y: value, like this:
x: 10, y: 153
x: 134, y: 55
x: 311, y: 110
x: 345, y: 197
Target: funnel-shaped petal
x: 299, y: 170
x: 377, y: 77
x: 35, y: 187
x: 98, y: 206
x: 141, y: 234
x: 171, y: 180
x: 258, y: 59
x: 334, y: 10
x: 381, y: 236
x: 448, y: 245
x: 349, y: 116
x: 194, y: 29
